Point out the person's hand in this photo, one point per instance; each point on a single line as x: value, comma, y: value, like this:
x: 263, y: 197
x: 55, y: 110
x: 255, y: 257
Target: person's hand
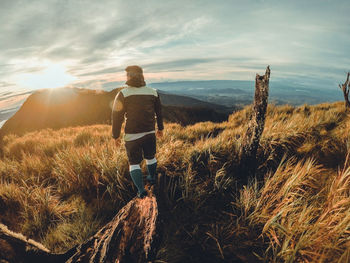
x: 117, y: 142
x: 160, y: 133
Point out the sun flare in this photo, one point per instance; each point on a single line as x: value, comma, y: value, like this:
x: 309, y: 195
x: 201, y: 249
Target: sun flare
x: 53, y: 76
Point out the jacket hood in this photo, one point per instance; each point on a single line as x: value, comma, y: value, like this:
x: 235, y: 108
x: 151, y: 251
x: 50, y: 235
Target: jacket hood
x: 136, y: 82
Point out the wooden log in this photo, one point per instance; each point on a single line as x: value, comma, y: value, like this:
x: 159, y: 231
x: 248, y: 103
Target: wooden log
x: 128, y: 237
x: 251, y: 139
x: 345, y: 88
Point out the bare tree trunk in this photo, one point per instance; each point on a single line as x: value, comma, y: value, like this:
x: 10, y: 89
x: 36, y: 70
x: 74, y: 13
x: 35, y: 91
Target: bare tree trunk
x: 251, y: 139
x: 345, y: 88
x: 128, y: 237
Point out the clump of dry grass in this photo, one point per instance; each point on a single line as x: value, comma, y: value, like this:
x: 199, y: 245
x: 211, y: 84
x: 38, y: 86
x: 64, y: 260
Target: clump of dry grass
x: 60, y: 186
x: 303, y: 210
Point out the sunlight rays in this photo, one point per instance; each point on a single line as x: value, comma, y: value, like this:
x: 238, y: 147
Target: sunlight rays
x: 53, y: 76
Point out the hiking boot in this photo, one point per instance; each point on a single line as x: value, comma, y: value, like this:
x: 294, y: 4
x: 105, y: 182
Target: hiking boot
x: 152, y: 175
x: 150, y: 180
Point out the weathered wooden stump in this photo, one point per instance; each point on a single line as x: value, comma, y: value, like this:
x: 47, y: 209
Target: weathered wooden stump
x: 128, y: 237
x: 251, y: 139
x: 345, y: 88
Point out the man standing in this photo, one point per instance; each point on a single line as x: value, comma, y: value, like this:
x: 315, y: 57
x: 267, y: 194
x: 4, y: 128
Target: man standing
x: 140, y: 105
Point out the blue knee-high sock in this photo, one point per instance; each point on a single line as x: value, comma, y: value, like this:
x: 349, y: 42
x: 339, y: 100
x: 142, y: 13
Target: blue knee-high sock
x: 136, y: 176
x: 152, y: 168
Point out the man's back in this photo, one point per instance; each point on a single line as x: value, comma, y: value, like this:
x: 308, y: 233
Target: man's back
x: 140, y: 108
x: 140, y: 105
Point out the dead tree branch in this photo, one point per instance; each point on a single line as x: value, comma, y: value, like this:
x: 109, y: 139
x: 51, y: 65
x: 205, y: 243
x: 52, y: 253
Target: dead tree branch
x: 345, y: 88
x: 15, y: 247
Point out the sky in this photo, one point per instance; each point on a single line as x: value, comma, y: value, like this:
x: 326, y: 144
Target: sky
x: 88, y: 43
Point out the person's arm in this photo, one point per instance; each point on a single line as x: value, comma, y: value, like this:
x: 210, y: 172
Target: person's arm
x: 158, y: 110
x: 118, y: 112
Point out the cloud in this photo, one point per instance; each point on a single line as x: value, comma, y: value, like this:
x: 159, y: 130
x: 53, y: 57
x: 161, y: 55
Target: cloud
x: 174, y: 65
x: 175, y: 39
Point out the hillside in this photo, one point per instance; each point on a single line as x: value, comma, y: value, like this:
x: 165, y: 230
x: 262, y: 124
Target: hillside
x: 59, y: 186
x: 66, y: 107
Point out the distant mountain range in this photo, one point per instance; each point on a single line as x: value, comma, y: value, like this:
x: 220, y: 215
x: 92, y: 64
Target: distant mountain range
x: 181, y: 101
x: 58, y: 108
x: 240, y: 92
x: 220, y: 97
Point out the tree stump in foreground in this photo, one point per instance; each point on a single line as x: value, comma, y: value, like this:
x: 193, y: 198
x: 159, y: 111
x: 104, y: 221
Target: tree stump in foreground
x: 128, y: 237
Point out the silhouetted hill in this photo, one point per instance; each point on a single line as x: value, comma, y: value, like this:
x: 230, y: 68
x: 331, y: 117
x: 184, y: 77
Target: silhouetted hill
x: 65, y: 107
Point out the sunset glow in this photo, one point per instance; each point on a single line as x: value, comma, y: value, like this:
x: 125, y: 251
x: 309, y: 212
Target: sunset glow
x: 53, y: 76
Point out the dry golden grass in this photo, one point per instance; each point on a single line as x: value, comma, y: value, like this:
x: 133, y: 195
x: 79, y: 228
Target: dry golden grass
x: 60, y: 186
x: 304, y: 210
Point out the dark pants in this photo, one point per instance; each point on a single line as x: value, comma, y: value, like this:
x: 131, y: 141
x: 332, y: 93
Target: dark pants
x: 144, y: 147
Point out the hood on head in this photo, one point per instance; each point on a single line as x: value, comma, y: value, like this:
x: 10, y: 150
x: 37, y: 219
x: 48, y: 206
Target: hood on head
x: 135, y: 76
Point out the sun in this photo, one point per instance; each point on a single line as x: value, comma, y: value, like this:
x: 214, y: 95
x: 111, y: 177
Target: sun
x: 53, y: 76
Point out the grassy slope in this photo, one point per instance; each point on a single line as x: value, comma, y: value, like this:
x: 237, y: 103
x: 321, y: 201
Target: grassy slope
x: 59, y: 187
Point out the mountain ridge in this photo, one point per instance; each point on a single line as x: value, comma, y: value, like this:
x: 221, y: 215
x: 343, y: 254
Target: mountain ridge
x: 64, y: 107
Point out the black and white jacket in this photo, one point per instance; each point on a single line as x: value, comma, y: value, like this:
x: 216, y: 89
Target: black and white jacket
x: 140, y: 106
